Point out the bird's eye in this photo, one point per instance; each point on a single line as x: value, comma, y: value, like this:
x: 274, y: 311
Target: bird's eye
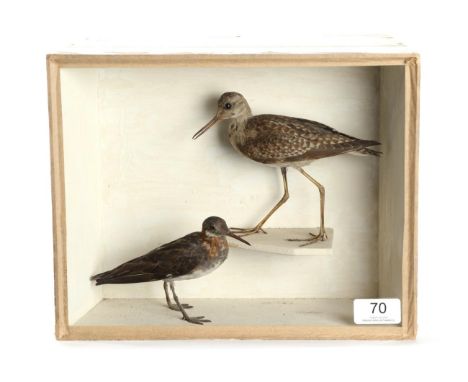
x: 227, y: 105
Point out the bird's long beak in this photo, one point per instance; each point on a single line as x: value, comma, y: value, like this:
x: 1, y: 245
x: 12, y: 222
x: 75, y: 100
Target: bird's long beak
x: 238, y: 238
x: 206, y: 127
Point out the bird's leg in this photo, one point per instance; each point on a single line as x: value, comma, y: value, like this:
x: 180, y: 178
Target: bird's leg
x: 258, y: 227
x: 170, y: 305
x: 194, y: 320
x: 322, y: 235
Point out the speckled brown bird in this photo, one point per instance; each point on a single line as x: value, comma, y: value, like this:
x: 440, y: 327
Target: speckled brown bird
x: 280, y: 141
x: 189, y: 257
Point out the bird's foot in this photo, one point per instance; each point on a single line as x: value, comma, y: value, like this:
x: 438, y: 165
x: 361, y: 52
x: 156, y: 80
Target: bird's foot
x: 176, y: 308
x: 199, y: 320
x: 247, y: 231
x: 321, y: 236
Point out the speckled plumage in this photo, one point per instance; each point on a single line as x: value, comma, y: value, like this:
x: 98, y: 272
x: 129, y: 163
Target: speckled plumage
x: 281, y: 141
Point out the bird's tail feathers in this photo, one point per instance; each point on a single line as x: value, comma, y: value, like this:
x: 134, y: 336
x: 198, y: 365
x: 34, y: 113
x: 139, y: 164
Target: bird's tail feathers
x: 364, y: 150
x: 99, y: 276
x: 367, y: 151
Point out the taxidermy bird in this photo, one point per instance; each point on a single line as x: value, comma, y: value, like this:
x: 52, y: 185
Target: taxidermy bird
x: 280, y: 141
x: 189, y: 257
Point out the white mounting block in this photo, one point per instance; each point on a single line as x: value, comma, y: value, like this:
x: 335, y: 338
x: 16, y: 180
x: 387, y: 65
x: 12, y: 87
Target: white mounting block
x: 276, y: 241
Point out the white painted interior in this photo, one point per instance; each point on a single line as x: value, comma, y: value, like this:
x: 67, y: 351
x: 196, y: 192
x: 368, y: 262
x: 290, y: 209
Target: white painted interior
x: 81, y: 136
x: 222, y: 311
x: 135, y: 179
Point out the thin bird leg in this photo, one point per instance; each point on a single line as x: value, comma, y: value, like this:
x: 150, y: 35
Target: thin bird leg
x: 258, y: 227
x: 170, y: 305
x: 322, y: 235
x: 194, y: 320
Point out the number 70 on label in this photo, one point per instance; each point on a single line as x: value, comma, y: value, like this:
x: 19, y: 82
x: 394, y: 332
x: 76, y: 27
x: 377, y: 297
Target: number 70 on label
x: 377, y: 311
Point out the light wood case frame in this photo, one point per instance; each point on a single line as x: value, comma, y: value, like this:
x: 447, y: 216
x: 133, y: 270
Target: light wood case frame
x: 407, y: 285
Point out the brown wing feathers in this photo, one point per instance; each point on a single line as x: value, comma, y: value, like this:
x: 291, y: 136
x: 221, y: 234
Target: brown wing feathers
x: 272, y: 138
x: 130, y: 272
x: 174, y: 259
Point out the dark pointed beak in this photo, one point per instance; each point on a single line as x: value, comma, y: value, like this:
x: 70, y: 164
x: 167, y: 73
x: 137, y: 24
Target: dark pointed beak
x: 206, y: 127
x: 238, y: 238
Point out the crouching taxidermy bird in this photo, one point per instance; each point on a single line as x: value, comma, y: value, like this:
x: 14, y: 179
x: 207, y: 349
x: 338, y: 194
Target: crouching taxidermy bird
x: 280, y: 141
x: 189, y: 257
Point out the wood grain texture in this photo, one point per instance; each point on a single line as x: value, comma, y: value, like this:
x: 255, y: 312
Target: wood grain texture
x: 347, y: 332
x: 409, y: 270
x: 228, y: 60
x: 58, y: 199
x: 409, y: 265
x: 398, y: 249
x: 391, y: 181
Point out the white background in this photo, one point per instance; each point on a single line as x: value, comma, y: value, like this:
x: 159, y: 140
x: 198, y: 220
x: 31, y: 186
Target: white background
x: 28, y: 30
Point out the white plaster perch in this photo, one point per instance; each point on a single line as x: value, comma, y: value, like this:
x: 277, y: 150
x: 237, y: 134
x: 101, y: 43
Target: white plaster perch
x: 275, y: 241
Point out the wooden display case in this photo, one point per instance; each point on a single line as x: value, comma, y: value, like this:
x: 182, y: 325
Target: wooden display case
x: 127, y: 177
